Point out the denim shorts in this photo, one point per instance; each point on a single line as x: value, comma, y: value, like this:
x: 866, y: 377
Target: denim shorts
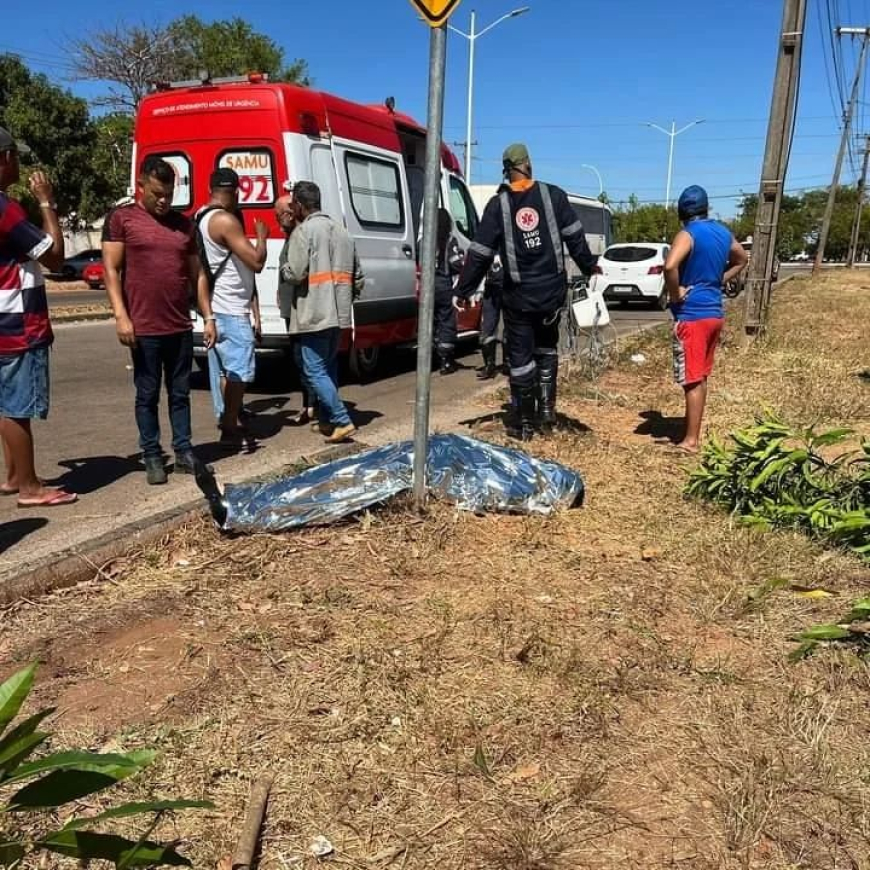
x: 24, y: 385
x: 234, y: 352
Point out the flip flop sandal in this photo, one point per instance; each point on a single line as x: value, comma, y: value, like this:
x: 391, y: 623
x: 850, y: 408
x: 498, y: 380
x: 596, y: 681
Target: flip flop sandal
x: 4, y: 490
x: 681, y: 451
x: 55, y: 499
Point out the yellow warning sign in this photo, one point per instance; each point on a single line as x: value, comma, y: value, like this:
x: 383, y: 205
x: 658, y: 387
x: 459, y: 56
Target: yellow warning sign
x: 435, y: 12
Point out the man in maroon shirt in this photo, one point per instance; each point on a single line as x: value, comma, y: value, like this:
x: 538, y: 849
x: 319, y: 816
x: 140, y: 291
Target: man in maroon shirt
x: 151, y: 264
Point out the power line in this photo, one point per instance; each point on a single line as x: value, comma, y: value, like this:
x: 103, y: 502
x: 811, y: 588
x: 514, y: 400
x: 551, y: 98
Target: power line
x: 835, y: 56
x: 37, y: 60
x: 825, y: 59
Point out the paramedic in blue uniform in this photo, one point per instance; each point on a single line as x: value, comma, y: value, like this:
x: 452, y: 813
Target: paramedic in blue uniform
x: 447, y: 266
x: 489, y: 320
x: 528, y: 224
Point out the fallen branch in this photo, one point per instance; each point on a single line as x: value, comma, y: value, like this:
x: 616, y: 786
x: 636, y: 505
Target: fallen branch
x: 244, y: 854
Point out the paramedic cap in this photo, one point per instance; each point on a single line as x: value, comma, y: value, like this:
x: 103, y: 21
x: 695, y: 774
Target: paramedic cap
x: 515, y: 155
x: 224, y: 179
x: 693, y: 202
x: 7, y: 143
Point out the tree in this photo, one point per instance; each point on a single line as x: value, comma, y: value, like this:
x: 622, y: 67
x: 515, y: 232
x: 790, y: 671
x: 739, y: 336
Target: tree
x: 53, y: 122
x: 644, y: 223
x: 226, y: 48
x: 800, y: 221
x: 111, y: 158
x: 87, y: 160
x: 133, y: 57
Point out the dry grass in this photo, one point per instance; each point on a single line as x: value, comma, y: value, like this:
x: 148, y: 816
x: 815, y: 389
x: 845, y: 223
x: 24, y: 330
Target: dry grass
x: 598, y: 689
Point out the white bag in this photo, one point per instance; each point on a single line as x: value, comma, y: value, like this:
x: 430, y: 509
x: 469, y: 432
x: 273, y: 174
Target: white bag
x: 590, y: 311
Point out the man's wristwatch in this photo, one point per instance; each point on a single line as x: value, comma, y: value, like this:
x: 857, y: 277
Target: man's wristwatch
x: 51, y: 205
x: 210, y: 319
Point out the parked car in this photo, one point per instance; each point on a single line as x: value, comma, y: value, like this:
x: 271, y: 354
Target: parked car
x: 738, y: 285
x: 633, y: 271
x: 74, y: 266
x: 94, y: 275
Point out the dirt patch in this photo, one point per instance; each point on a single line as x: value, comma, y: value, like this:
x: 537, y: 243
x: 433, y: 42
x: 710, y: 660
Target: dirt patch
x: 141, y: 669
x: 135, y: 674
x: 603, y: 688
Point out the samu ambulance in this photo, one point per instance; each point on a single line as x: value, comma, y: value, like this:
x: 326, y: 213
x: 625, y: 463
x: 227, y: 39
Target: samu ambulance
x: 367, y: 161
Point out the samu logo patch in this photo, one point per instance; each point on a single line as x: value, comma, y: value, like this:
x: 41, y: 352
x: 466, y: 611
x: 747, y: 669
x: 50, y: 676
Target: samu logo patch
x: 527, y: 219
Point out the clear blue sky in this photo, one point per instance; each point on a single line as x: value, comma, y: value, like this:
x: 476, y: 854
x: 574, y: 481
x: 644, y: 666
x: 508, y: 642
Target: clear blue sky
x: 574, y: 79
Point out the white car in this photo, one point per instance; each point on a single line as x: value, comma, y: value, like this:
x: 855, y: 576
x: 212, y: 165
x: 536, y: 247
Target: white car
x: 633, y: 271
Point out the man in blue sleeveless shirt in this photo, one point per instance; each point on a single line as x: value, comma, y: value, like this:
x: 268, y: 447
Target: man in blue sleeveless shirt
x: 704, y: 256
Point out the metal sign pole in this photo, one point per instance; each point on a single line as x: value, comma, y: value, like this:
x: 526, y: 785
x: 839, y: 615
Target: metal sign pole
x: 428, y: 253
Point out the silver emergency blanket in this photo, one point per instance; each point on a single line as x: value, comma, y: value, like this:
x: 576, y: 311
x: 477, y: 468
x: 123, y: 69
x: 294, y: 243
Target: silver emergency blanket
x: 474, y: 475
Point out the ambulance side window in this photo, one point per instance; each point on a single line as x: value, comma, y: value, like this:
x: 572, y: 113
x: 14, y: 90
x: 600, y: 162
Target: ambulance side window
x: 375, y: 191
x: 182, y: 197
x: 462, y: 208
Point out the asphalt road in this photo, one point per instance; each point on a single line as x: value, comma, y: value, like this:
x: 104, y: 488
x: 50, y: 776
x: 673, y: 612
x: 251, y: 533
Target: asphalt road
x: 89, y: 443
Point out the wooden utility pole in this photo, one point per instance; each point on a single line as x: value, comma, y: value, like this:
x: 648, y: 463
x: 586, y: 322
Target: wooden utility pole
x: 859, y: 207
x: 779, y: 134
x: 863, y: 32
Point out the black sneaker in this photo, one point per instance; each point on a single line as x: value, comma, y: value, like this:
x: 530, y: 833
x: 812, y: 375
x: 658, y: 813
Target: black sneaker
x: 155, y: 471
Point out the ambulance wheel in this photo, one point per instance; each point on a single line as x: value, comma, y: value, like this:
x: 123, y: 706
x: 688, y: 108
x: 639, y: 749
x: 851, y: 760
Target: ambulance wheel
x: 363, y: 362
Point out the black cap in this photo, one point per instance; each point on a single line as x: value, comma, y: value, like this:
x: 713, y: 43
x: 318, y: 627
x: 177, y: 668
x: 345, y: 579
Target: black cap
x: 8, y: 143
x: 224, y: 179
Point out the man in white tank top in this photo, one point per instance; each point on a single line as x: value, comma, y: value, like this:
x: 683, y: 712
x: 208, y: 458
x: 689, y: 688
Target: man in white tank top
x: 228, y: 299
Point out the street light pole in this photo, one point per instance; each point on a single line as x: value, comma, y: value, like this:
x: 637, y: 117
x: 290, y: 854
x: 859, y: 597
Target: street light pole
x: 593, y: 169
x: 472, y: 36
x: 670, y: 165
x: 672, y: 135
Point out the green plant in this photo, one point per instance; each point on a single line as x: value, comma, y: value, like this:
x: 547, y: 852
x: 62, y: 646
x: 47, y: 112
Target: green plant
x: 32, y: 791
x: 773, y: 476
x: 853, y: 629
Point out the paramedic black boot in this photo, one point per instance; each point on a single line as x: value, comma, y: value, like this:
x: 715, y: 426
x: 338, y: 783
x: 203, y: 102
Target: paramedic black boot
x: 446, y: 362
x: 548, y: 373
x: 523, y: 427
x: 488, y: 371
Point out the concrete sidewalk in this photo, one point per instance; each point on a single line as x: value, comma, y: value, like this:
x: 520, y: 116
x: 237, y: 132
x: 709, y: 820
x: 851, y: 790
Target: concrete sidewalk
x: 89, y: 443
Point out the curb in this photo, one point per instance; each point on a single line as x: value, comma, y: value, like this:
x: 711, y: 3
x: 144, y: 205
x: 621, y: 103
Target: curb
x: 78, y: 564
x: 83, y: 562
x: 85, y: 317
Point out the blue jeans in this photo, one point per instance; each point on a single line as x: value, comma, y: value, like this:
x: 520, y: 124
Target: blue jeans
x: 155, y: 358
x: 317, y: 358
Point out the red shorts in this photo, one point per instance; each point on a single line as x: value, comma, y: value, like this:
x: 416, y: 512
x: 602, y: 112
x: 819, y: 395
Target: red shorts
x: 695, y: 343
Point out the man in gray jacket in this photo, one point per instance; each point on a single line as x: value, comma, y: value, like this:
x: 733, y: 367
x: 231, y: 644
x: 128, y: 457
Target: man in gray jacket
x: 320, y: 277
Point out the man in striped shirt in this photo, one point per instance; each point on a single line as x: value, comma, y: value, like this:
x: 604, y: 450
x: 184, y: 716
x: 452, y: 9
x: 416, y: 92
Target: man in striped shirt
x: 25, y: 330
